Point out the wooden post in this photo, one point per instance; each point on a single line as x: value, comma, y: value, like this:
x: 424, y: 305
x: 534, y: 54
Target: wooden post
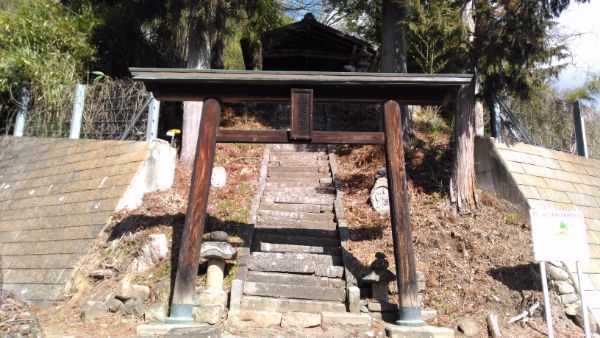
x: 152, y: 123
x: 193, y: 228
x: 495, y: 123
x: 22, y: 113
x: 579, y: 126
x: 77, y: 113
x: 410, y: 313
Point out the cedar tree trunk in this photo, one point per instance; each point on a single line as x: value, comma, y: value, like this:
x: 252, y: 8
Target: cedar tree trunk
x: 198, y: 57
x: 252, y: 53
x: 462, y: 183
x: 393, y: 50
x: 469, y: 22
x: 218, y: 48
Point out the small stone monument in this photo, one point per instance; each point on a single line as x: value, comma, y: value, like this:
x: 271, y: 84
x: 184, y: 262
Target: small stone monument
x: 380, y: 199
x: 217, y: 250
x: 218, y: 178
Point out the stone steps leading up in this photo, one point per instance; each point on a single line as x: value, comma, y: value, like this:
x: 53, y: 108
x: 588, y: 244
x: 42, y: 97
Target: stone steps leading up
x: 270, y: 247
x: 295, y: 263
x: 301, y: 190
x: 284, y: 305
x: 330, y: 267
x: 298, y: 174
x: 262, y: 229
x: 269, y: 222
x: 323, y: 217
x: 313, y: 168
x: 295, y: 239
x: 296, y: 207
x: 294, y: 279
x: 283, y: 198
x: 314, y: 180
x: 294, y: 291
x: 292, y: 184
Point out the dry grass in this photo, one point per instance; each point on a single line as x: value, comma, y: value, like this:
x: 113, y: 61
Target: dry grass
x: 474, y: 264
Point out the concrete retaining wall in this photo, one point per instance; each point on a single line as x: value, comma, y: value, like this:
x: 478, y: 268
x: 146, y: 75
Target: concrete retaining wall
x: 56, y: 195
x: 539, y: 178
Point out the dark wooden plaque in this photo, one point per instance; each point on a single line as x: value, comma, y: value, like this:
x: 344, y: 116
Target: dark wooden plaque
x: 302, y: 114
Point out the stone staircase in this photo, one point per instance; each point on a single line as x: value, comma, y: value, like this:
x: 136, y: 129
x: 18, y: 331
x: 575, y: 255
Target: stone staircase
x: 295, y: 264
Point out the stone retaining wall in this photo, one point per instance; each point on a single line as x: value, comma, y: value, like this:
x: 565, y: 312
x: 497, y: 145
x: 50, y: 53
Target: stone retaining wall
x: 56, y: 195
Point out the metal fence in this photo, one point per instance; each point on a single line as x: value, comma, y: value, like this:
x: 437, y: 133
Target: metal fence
x: 110, y: 110
x: 552, y: 127
x: 112, y: 106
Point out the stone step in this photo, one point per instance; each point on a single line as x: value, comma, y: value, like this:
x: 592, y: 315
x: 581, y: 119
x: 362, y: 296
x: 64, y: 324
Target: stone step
x: 294, y: 279
x: 270, y: 247
x: 314, y: 180
x: 247, y: 319
x: 319, y: 265
x: 272, y: 184
x: 324, y: 217
x: 277, y: 230
x: 298, y: 174
x: 302, y: 257
x: 288, y: 147
x: 300, y: 320
x: 294, y: 291
x: 297, y: 154
x: 300, y: 163
x: 280, y: 222
x: 295, y: 239
x: 310, y: 191
x: 284, y: 305
x: 297, y: 198
x: 299, y: 159
x: 346, y: 320
x: 311, y: 162
x: 296, y: 207
x: 298, y: 169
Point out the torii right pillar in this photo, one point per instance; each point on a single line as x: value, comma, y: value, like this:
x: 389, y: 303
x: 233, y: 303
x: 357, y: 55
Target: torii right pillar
x: 408, y: 292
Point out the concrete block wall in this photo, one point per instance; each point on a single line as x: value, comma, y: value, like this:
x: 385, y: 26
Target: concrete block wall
x: 539, y: 178
x: 56, y: 195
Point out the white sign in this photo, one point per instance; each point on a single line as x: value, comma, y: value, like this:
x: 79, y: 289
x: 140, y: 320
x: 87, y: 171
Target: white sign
x: 559, y: 236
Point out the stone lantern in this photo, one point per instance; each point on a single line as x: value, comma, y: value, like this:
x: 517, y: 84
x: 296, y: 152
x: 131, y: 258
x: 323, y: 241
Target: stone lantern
x: 379, y: 278
x: 216, y: 250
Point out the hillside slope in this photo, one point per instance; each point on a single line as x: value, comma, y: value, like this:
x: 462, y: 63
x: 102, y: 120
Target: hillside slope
x: 474, y: 264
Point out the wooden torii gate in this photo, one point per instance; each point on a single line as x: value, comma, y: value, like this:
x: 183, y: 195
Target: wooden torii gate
x: 301, y: 90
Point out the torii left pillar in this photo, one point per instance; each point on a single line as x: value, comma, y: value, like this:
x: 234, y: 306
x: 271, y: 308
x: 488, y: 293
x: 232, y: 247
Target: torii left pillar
x: 193, y: 228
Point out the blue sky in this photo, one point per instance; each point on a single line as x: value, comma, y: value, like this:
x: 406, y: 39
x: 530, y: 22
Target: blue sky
x: 583, y: 22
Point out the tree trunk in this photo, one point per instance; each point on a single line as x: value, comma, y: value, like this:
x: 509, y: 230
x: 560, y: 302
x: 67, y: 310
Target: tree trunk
x: 218, y: 48
x: 479, y: 124
x: 462, y: 183
x: 393, y: 50
x: 252, y: 53
x: 198, y: 57
x: 469, y: 22
x: 469, y: 112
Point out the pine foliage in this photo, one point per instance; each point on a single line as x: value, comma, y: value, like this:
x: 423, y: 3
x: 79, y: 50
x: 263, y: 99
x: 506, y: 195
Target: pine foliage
x: 436, y: 37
